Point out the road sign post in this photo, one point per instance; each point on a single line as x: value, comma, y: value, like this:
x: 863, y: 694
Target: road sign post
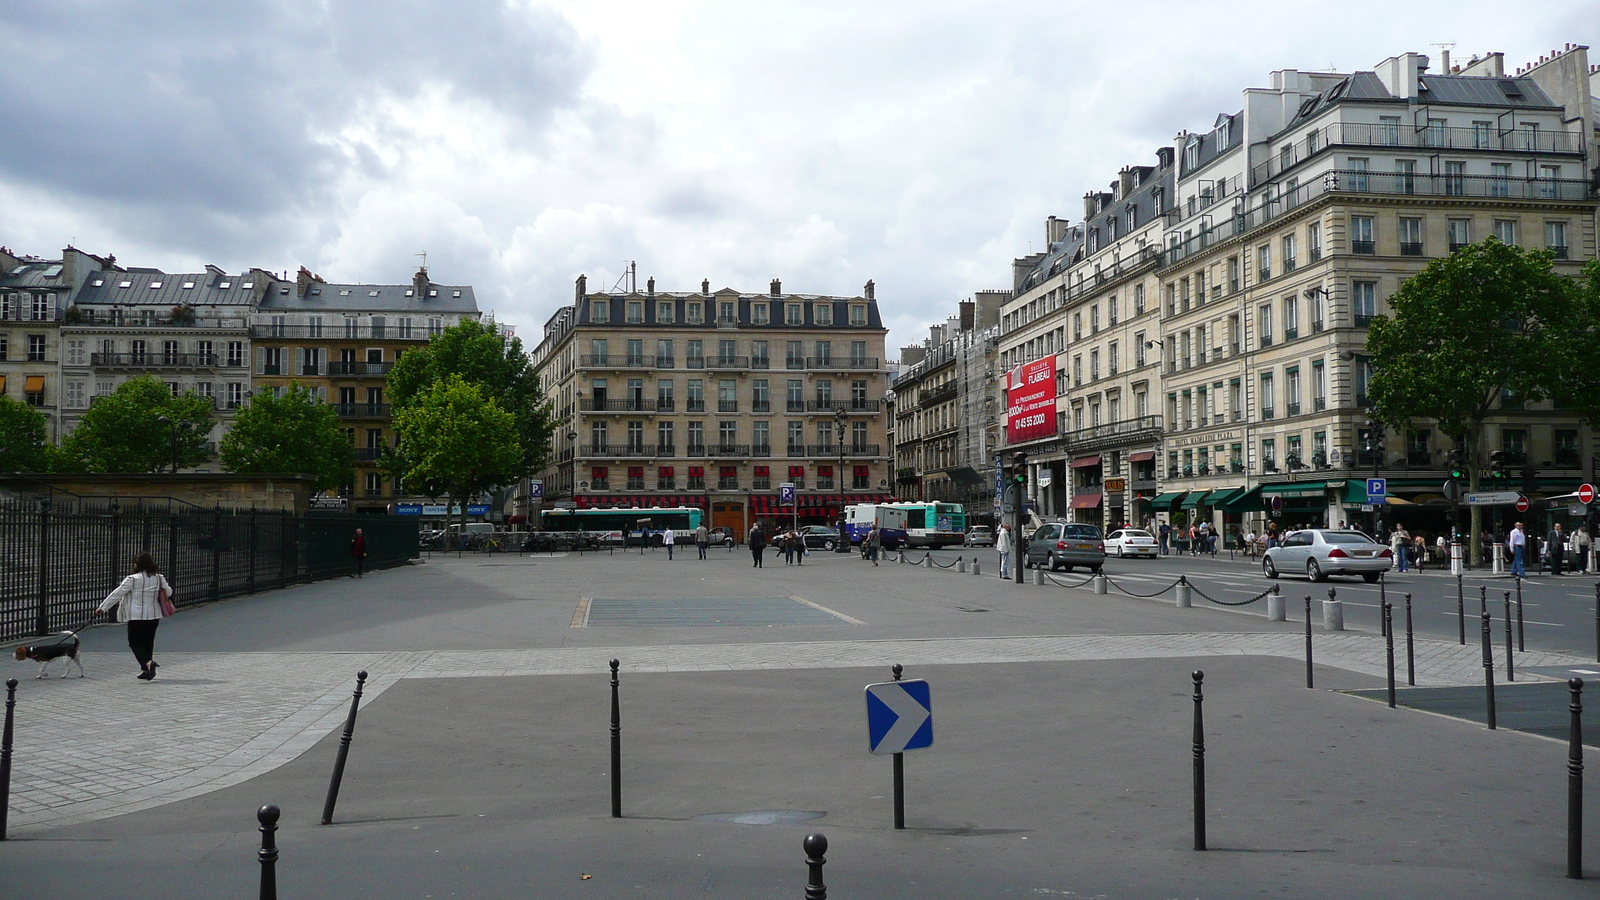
x: 1377, y: 488
x: 899, y: 718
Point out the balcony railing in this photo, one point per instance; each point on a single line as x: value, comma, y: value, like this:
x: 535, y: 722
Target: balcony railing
x: 1318, y: 404
x: 760, y: 449
x: 727, y: 406
x: 728, y: 450
x: 841, y: 362
x: 1291, y: 409
x: 638, y: 405
x: 361, y: 410
x: 1362, y: 320
x: 617, y: 362
x: 760, y: 362
x: 1369, y: 135
x: 1567, y: 458
x: 727, y: 362
x: 369, y: 454
x: 939, y: 394
x: 338, y: 331
x: 621, y: 451
x: 849, y: 406
x: 153, y: 360
x: 359, y: 368
x: 761, y: 406
x: 695, y: 404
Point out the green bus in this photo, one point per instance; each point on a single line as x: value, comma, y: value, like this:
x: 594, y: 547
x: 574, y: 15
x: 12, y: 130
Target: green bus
x: 615, y: 525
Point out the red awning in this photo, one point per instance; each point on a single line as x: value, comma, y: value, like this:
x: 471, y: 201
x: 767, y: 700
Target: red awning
x: 1086, y: 501
x: 1142, y: 456
x: 625, y: 501
x: 1084, y: 462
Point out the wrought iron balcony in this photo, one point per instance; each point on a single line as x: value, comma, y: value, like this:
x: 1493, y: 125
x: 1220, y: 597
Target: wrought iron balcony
x: 157, y: 360
x: 588, y: 404
x: 631, y: 361
x: 359, y: 369
x: 361, y: 410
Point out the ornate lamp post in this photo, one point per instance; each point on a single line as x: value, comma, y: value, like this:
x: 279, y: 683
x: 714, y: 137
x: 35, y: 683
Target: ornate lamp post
x: 184, y: 425
x: 838, y: 431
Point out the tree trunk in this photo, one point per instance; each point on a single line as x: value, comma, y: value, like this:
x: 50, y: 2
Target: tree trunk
x: 1475, y: 538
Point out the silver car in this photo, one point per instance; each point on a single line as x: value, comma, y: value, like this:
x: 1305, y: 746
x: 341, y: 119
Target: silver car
x: 1319, y: 552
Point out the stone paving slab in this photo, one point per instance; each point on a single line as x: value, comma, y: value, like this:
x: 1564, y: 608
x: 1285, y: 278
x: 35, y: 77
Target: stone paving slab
x: 109, y: 745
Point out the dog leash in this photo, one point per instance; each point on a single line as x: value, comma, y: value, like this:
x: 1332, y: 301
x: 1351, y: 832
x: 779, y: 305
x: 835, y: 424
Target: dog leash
x: 72, y: 633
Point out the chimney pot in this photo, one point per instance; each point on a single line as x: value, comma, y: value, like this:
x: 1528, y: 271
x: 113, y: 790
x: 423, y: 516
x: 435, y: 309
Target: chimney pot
x: 705, y: 286
x: 870, y: 290
x: 777, y: 288
x: 650, y: 286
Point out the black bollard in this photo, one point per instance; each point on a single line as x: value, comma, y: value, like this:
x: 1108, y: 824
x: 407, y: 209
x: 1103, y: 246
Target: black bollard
x: 1308, y: 642
x: 5, y: 755
x: 899, y: 772
x: 1597, y: 621
x: 1388, y: 636
x: 1522, y: 637
x: 1461, y: 611
x: 1575, y: 780
x: 1511, y: 673
x: 1483, y: 599
x: 1488, y: 671
x: 1411, y: 650
x: 1199, y: 765
x: 616, y: 746
x: 344, y: 751
x: 268, y: 855
x: 1383, y: 600
x: 816, y: 845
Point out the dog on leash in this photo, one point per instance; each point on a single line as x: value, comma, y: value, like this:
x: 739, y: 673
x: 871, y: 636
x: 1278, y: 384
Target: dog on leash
x: 45, y: 654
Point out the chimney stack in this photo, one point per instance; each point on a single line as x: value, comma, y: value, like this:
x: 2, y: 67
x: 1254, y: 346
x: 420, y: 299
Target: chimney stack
x: 650, y: 286
x: 777, y: 288
x: 870, y: 290
x: 419, y: 281
x: 705, y: 286
x: 581, y: 289
x: 968, y: 313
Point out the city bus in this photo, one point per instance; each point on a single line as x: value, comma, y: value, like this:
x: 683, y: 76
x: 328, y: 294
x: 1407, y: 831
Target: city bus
x: 916, y: 523
x: 614, y: 524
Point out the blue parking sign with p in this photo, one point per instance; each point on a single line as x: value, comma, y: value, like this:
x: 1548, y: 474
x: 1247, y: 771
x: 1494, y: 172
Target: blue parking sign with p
x: 786, y: 494
x: 1377, y: 488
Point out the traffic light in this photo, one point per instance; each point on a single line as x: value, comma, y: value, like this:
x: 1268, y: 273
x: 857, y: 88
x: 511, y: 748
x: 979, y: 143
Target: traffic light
x: 1458, y: 464
x: 1497, y: 466
x: 1019, y: 467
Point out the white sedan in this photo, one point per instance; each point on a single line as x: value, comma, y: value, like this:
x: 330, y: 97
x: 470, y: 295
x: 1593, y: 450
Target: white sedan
x: 1125, y: 542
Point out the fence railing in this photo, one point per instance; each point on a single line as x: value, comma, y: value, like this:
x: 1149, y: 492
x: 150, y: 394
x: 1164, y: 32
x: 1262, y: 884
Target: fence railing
x: 59, y: 560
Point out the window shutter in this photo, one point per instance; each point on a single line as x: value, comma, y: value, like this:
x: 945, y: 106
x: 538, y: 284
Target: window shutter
x: 299, y: 361
x: 261, y: 360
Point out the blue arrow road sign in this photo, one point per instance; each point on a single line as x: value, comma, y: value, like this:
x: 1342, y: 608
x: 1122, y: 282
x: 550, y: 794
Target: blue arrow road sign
x: 899, y: 716
x: 1376, y: 489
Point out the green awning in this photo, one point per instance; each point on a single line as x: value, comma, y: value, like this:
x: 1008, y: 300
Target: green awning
x: 1355, y: 490
x: 1288, y: 489
x: 1218, y: 497
x: 1193, y: 499
x: 1165, y: 501
x: 1246, y: 501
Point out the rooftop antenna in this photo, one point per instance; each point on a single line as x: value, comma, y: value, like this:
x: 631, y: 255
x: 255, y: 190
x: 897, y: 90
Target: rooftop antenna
x: 630, y: 274
x: 424, y: 255
x: 1444, y: 55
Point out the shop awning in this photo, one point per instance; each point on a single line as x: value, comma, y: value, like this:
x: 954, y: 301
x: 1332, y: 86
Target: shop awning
x: 1142, y: 456
x: 1086, y: 501
x: 625, y: 501
x: 1248, y: 500
x: 964, y: 475
x: 2, y: 385
x: 1218, y: 497
x: 34, y: 384
x: 1084, y: 462
x: 1165, y: 501
x: 1193, y: 500
x: 1290, y: 489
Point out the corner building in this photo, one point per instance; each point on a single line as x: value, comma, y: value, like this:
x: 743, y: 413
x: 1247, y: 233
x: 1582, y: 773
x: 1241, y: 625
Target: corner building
x: 714, y: 399
x: 1290, y: 222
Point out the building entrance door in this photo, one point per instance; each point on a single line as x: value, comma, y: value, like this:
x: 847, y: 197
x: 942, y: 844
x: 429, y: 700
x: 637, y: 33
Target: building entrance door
x: 728, y: 513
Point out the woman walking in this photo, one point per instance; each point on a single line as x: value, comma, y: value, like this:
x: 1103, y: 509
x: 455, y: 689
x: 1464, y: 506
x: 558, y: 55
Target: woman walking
x: 139, y: 597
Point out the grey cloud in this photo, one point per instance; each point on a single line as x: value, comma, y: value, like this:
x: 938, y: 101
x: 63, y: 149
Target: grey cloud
x: 217, y: 110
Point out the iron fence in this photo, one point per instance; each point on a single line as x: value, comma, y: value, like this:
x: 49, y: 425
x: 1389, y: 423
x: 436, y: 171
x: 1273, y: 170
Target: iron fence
x: 58, y: 561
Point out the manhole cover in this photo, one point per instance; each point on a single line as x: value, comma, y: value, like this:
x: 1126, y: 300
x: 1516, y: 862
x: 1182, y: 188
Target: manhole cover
x: 761, y: 817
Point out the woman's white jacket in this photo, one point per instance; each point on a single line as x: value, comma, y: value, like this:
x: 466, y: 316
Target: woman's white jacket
x: 137, y: 596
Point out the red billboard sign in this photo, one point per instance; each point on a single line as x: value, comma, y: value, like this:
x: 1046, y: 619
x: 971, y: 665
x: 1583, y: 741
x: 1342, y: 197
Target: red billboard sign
x: 1031, y: 401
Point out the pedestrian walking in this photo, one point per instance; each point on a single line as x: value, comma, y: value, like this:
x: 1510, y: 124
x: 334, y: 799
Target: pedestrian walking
x: 1441, y: 549
x: 1419, y: 550
x: 758, y: 545
x: 1002, y: 545
x: 702, y: 539
x: 1517, y: 543
x: 1250, y: 543
x: 800, y: 550
x: 1166, y: 537
x: 142, y: 599
x: 358, y: 550
x: 1556, y: 546
x: 1582, y: 543
x: 873, y: 542
x: 1400, y: 547
x: 668, y: 538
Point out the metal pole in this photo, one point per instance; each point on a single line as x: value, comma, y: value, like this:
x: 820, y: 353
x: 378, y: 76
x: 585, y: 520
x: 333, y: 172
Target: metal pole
x: 1461, y: 611
x: 42, y: 620
x: 1019, y: 545
x: 268, y: 855
x: 899, y: 772
x: 1597, y: 621
x: 216, y: 554
x: 616, y: 746
x: 1483, y: 599
x: 1521, y: 636
x: 1388, y: 635
x: 1575, y: 780
x: 1199, y: 765
x: 1488, y: 672
x: 5, y: 755
x: 1411, y: 654
x: 344, y: 751
x: 1511, y: 674
x: 816, y: 845
x: 1383, y: 602
x: 1308, y: 642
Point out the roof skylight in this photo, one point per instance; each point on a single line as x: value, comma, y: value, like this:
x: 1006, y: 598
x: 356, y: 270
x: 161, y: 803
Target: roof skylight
x: 156, y: 285
x: 188, y: 285
x: 225, y: 285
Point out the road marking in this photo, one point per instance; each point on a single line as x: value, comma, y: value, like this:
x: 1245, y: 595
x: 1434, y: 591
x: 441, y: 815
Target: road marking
x: 832, y: 612
x: 1479, y: 616
x: 580, y: 616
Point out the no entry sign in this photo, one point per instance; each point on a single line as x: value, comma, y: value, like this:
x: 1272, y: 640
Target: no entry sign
x: 1522, y: 504
x: 1585, y: 493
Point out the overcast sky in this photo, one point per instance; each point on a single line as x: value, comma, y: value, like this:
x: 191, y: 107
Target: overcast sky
x: 520, y: 143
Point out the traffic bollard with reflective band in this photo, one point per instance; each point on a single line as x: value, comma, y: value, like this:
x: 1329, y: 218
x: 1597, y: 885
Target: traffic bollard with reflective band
x: 1461, y: 612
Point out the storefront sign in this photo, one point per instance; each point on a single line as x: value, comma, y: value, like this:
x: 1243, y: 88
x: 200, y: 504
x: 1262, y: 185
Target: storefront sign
x: 1116, y: 485
x: 438, y: 509
x: 1031, y: 401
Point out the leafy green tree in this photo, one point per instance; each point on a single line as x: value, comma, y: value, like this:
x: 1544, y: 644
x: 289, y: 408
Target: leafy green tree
x: 122, y: 433
x: 480, y: 354
x: 22, y: 437
x: 1487, y: 320
x: 1579, y: 390
x: 292, y: 433
x: 456, y: 440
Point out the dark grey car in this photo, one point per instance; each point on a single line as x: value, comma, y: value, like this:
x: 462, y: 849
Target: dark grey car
x: 1062, y: 545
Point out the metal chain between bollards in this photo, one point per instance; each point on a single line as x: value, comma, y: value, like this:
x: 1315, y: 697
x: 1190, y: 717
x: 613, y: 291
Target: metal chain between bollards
x: 951, y: 566
x: 1270, y: 590
x: 1124, y: 590
x: 1062, y: 583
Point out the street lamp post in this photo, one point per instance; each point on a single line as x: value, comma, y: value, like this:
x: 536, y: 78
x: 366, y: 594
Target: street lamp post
x: 838, y: 433
x: 184, y: 425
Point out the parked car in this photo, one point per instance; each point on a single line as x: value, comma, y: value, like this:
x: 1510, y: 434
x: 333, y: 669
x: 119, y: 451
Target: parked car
x: 1062, y: 545
x: 979, y: 536
x: 820, y: 536
x: 1320, y: 552
x: 1126, y: 542
x: 722, y: 535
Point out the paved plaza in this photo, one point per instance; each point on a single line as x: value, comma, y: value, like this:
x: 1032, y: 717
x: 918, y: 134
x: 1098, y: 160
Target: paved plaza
x: 484, y: 667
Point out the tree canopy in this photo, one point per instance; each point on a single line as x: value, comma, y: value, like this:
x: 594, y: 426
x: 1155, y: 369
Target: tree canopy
x: 22, y: 437
x: 121, y: 432
x: 457, y: 440
x: 480, y: 354
x: 292, y: 433
x: 1579, y: 390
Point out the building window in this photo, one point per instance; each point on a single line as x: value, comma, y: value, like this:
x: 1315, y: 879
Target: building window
x: 599, y: 478
x: 36, y: 347
x: 1505, y: 231
x: 1289, y: 254
x: 1410, y: 236
x: 1364, y: 302
x: 697, y: 478
x: 1264, y: 325
x: 374, y: 487
x: 822, y: 313
x: 1314, y: 241
x: 1460, y: 231
x: 75, y: 395
x: 1264, y: 262
x: 665, y: 445
x: 1319, y: 386
x: 794, y: 314
x: 758, y: 313
x: 665, y: 479
x: 1267, y: 408
x: 666, y: 312
x: 636, y: 315
x: 1455, y: 179
x: 858, y: 315
x: 1361, y: 239
x: 1138, y: 299
x: 1555, y: 238
x: 696, y: 313
x: 728, y: 312
x: 1291, y: 318
x: 235, y: 394
x: 1269, y: 455
x: 600, y: 311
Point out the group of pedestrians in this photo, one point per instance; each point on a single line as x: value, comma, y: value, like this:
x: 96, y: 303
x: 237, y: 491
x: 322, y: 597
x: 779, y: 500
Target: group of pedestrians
x: 1557, y: 545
